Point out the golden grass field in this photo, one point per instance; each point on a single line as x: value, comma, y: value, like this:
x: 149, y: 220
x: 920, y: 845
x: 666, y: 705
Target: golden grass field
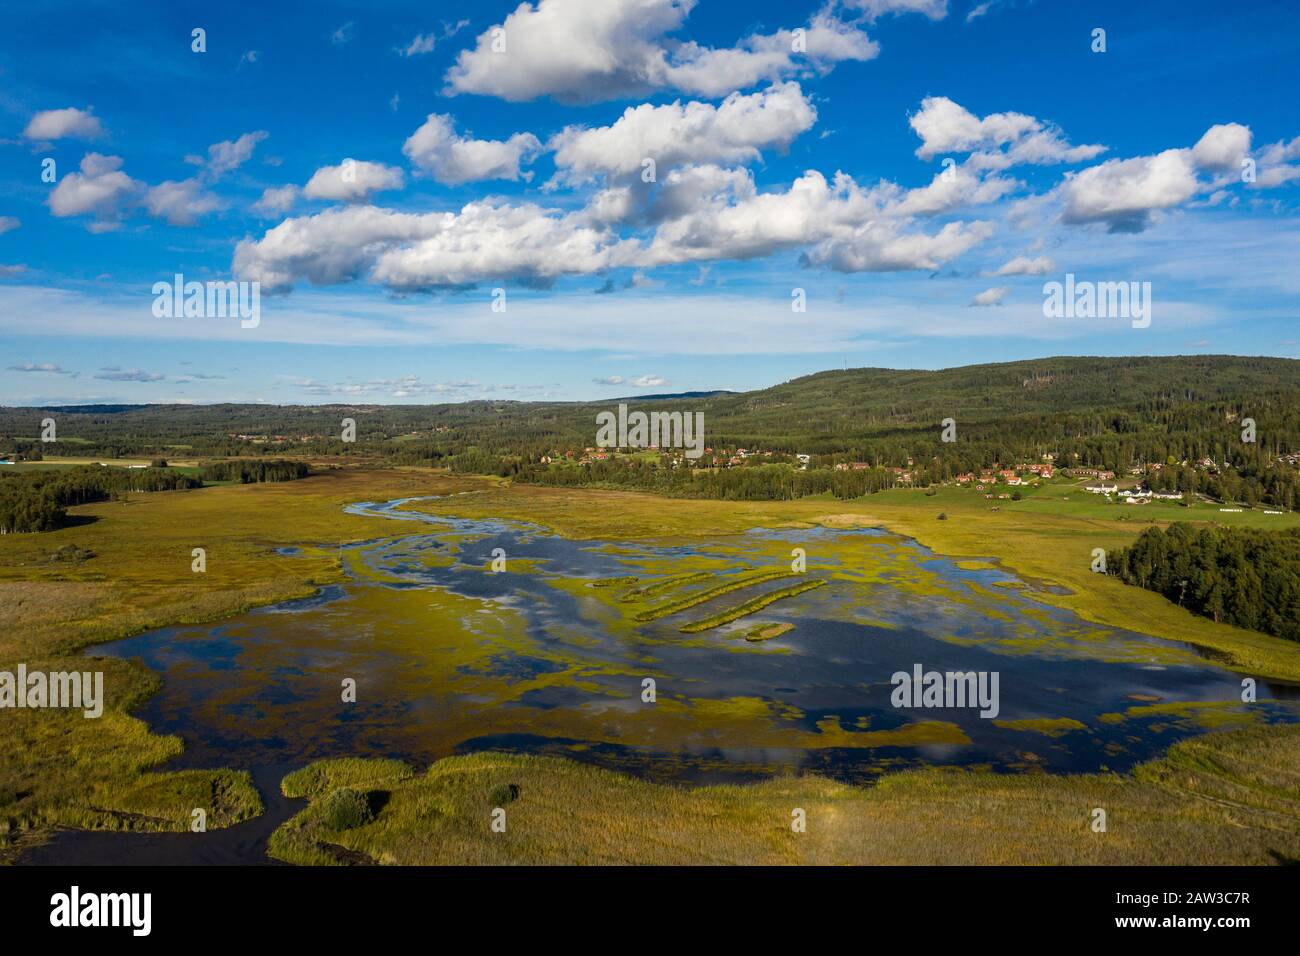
x: 1231, y: 798
x: 63, y: 770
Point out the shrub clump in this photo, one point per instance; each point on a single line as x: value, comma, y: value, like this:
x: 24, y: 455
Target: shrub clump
x: 346, y: 809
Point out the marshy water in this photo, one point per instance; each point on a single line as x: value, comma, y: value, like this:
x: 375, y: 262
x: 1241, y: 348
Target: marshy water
x: 449, y: 656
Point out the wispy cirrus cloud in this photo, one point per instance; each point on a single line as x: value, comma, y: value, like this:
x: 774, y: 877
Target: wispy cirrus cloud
x: 115, y: 373
x: 50, y: 368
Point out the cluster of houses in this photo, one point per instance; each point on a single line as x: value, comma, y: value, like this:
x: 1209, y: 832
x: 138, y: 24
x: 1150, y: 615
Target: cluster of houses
x: 1104, y: 482
x: 1020, y: 475
x: 1132, y: 496
x: 712, y: 457
x: 902, y: 475
x: 264, y: 439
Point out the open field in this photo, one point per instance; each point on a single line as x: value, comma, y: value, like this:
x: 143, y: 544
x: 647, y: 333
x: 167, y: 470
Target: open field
x: 179, y: 464
x: 67, y: 770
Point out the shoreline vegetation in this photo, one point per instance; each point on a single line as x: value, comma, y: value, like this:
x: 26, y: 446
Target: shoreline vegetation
x: 1219, y: 799
x: 659, y: 587
x: 700, y: 597
x: 752, y: 606
x: 104, y: 774
x: 765, y: 632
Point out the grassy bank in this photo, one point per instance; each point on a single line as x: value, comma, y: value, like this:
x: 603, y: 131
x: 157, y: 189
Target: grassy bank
x: 132, y: 572
x: 1230, y: 798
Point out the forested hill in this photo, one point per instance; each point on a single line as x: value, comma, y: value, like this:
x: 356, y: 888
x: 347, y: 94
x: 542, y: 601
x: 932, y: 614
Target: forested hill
x: 1105, y: 411
x: 879, y: 396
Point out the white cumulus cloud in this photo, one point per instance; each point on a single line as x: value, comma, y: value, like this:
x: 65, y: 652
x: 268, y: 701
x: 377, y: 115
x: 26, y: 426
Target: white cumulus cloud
x: 1024, y: 266
x: 992, y: 296
x: 353, y: 180
x: 484, y: 241
x: 998, y: 140
x: 62, y: 124
x: 576, y: 51
x: 438, y: 150
x: 276, y: 200
x: 181, y: 203
x: 101, y: 189
x: 734, y: 131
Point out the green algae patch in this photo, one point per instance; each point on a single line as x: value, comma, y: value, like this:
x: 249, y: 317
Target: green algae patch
x: 668, y: 584
x: 1047, y: 726
x: 751, y: 606
x: 765, y: 632
x: 699, y: 597
x: 1206, y: 715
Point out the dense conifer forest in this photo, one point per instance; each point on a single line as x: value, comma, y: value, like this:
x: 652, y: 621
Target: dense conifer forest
x: 1240, y: 576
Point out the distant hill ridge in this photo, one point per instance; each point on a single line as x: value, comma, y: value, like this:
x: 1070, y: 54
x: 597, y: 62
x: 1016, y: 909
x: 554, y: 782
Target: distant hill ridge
x: 1023, y: 405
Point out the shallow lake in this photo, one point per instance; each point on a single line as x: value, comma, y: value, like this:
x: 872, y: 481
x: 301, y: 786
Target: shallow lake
x: 450, y: 656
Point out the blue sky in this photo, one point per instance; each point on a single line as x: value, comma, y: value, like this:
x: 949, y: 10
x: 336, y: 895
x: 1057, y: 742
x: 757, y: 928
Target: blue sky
x: 784, y: 161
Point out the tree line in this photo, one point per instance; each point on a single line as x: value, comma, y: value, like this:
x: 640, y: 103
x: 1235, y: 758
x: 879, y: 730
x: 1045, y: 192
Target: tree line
x: 251, y: 472
x: 38, y: 500
x: 1241, y: 576
x: 759, y: 482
